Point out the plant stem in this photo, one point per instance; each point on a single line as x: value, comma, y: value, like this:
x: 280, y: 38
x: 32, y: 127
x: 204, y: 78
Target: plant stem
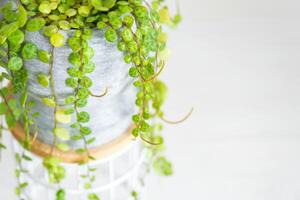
x: 51, y: 73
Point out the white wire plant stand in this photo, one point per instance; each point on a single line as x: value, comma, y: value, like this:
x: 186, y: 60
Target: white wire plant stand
x: 118, y: 175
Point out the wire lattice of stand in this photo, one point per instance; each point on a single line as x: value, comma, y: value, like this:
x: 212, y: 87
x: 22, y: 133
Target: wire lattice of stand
x: 121, y: 167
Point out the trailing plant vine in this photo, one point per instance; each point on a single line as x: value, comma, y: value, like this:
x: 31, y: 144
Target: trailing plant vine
x: 135, y: 26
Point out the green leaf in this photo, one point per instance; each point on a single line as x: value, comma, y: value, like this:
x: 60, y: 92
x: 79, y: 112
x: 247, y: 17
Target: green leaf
x: 101, y: 25
x: 8, y: 12
x: 83, y: 93
x: 49, y: 102
x: 103, y: 5
x: 3, y: 108
x: 90, y: 141
x: 89, y: 67
x: 15, y: 63
x: 23, y: 185
x: 22, y: 17
x: 23, y: 99
x: 160, y: 94
x: 62, y: 133
x: 62, y: 117
x: 49, y: 30
x: 80, y: 151
x: 164, y: 15
x: 72, y: 82
x: 44, y: 56
x: 84, y: 11
x: 10, y: 120
x: 25, y: 157
x: 93, y: 196
x: 2, y: 146
x: 63, y: 147
x: 29, y: 51
x: 43, y: 80
x: 83, y: 117
x: 163, y: 167
x: 64, y: 25
x: 85, y: 130
x: 60, y: 195
x: 127, y: 35
x: 133, y: 72
x: 109, y: 3
x: 45, y: 8
x: 111, y: 35
x: 74, y: 58
x: 74, y: 43
x: 86, y: 82
x: 70, y: 99
x: 7, y: 30
x: 18, y: 191
x: 16, y: 37
x: 35, y: 24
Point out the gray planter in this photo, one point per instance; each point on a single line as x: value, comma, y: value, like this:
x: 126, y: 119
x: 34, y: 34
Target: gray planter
x: 110, y: 115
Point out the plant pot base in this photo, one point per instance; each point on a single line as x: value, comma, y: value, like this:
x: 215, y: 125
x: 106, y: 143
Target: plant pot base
x: 43, y: 150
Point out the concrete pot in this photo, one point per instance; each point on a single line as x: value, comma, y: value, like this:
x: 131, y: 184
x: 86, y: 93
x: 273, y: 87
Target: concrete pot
x: 110, y: 115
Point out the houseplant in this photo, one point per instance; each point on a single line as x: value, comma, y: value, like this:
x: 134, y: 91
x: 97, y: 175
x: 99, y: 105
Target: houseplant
x: 58, y: 53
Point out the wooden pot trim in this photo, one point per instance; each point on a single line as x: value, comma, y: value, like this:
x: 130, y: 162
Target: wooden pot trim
x: 43, y: 150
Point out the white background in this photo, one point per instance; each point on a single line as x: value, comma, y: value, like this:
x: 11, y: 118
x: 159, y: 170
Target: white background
x: 237, y: 63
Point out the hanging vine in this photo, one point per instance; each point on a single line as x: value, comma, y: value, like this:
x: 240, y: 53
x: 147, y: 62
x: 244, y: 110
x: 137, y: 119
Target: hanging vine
x: 136, y: 27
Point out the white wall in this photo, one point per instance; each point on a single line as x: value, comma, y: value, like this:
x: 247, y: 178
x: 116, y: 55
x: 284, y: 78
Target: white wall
x: 237, y: 62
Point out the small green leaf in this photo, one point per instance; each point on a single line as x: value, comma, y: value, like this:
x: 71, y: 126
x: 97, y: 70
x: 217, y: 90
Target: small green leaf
x: 3, y: 108
x: 90, y: 141
x: 44, y: 56
x: 23, y: 99
x: 60, y: 195
x: 25, y: 157
x: 70, y: 99
x: 22, y: 16
x: 127, y: 35
x: 35, y: 24
x: 86, y: 82
x: 111, y: 35
x: 29, y: 51
x: 133, y: 72
x: 45, y: 8
x: 93, y: 197
x: 10, y: 120
x: 85, y: 130
x: 16, y: 37
x: 49, y: 102
x: 7, y: 30
x: 43, y: 80
x: 84, y: 11
x: 62, y: 117
x: 62, y: 133
x: 163, y: 167
x: 63, y: 147
x: 50, y: 30
x: 80, y: 151
x: 72, y: 82
x: 2, y: 146
x: 57, y: 39
x: 15, y: 63
x: 83, y: 117
x: 74, y: 43
x: 164, y: 15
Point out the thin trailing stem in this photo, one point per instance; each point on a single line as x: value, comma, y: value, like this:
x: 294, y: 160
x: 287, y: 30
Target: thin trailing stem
x: 150, y: 142
x: 178, y: 121
x: 52, y: 83
x: 157, y: 74
x: 101, y: 95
